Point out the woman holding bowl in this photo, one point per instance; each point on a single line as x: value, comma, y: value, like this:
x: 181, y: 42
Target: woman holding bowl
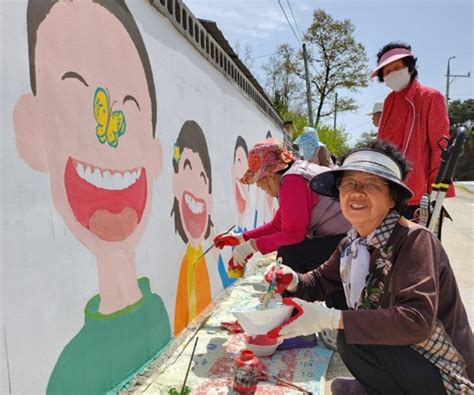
x: 406, y: 330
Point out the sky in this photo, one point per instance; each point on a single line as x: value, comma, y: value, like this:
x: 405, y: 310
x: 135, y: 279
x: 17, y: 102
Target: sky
x: 436, y: 30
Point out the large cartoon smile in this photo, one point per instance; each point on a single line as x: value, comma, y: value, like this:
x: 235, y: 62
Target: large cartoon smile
x: 240, y: 197
x: 194, y: 214
x: 110, y: 203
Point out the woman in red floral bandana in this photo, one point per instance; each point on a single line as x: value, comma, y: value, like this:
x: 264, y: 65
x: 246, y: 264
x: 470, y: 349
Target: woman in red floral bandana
x: 305, y: 229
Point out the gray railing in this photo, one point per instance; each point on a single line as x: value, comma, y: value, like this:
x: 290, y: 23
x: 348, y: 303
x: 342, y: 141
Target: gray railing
x: 226, y: 62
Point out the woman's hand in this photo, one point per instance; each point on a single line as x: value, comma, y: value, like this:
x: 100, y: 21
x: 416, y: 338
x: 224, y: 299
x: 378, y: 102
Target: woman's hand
x: 311, y: 318
x: 243, y: 252
x: 286, y: 278
x: 228, y: 239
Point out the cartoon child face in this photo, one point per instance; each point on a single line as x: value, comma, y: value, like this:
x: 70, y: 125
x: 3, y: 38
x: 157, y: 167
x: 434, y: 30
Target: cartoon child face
x: 191, y: 189
x: 89, y: 125
x: 238, y: 170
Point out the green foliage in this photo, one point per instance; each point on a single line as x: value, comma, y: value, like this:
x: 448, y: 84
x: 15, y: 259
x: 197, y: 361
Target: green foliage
x: 174, y: 391
x: 339, y: 61
x: 336, y: 140
x: 365, y: 138
x: 299, y: 120
x: 281, y: 84
x: 460, y: 112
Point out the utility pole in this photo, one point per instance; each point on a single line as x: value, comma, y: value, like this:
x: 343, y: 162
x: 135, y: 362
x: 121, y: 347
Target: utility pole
x: 335, y: 112
x: 308, y: 87
x: 448, y: 78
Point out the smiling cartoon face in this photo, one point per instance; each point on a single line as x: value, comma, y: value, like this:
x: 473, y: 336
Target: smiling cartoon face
x: 241, y: 191
x: 191, y: 189
x: 90, y: 125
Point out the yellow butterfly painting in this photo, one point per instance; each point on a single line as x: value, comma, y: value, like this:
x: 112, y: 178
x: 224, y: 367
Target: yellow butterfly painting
x: 110, y: 125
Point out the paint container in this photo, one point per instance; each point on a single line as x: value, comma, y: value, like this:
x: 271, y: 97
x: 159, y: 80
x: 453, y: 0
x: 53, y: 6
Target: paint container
x: 236, y: 271
x: 246, y: 372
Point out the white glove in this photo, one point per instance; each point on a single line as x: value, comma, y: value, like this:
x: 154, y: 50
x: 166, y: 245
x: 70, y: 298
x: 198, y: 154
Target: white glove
x: 315, y: 317
x: 286, y: 278
x: 243, y: 252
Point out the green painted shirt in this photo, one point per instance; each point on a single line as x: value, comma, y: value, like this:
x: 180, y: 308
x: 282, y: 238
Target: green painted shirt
x: 109, y: 348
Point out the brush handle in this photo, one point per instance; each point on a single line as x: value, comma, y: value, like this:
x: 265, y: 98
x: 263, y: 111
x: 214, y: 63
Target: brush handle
x: 271, y: 287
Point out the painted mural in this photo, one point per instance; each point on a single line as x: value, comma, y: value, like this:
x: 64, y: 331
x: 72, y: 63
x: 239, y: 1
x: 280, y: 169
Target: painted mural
x: 192, y: 206
x: 92, y: 131
x: 104, y: 131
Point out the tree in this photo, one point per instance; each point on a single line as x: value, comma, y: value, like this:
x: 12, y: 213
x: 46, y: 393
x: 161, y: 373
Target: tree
x: 336, y: 63
x: 245, y: 54
x: 365, y: 138
x: 339, y: 62
x: 281, y: 83
x: 460, y: 112
x: 336, y: 140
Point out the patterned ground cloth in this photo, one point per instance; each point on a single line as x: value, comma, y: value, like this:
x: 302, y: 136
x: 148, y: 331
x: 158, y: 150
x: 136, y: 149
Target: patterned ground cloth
x: 213, y: 363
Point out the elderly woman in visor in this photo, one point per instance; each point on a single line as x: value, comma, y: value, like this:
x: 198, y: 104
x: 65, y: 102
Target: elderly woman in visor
x: 406, y: 330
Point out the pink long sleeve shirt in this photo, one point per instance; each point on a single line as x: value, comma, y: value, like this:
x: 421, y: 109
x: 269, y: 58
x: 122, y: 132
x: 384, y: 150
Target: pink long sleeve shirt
x: 292, y: 219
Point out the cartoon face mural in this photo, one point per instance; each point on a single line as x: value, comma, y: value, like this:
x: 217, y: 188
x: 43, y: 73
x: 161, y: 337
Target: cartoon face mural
x: 192, y: 186
x: 239, y: 166
x: 92, y: 131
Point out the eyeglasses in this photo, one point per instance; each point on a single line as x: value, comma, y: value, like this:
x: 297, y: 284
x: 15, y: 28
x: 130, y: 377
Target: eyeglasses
x: 350, y: 185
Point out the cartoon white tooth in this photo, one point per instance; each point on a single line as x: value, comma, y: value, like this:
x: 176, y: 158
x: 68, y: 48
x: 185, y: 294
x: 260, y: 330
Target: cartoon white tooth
x: 88, y: 174
x: 80, y: 170
x: 107, y: 180
x: 128, y: 179
x: 117, y: 181
x: 96, y: 178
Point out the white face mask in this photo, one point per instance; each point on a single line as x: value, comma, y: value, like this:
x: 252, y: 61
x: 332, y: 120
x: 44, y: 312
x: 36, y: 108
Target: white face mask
x: 398, y: 80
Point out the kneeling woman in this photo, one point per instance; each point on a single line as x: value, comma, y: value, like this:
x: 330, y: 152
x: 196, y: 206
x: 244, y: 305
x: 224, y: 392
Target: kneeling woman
x: 305, y: 229
x: 406, y: 330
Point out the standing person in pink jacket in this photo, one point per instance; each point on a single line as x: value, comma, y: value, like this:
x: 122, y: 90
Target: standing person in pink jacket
x: 305, y: 229
x: 414, y: 119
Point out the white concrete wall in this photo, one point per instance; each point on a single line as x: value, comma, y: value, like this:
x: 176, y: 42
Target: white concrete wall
x: 48, y: 275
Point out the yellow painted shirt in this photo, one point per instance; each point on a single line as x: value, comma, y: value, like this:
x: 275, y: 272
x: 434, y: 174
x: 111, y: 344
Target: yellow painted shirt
x: 194, y: 290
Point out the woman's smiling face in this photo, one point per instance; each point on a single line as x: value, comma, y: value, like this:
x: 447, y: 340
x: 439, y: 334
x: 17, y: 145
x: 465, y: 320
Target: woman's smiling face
x: 191, y: 188
x: 367, y: 205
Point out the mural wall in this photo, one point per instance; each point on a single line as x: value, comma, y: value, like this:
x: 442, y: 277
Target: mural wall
x: 121, y: 152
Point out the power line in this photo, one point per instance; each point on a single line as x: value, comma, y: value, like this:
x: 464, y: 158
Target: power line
x: 289, y: 23
x: 263, y: 56
x: 294, y: 19
x: 358, y: 126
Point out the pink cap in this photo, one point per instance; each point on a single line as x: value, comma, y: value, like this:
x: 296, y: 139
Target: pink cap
x: 389, y: 57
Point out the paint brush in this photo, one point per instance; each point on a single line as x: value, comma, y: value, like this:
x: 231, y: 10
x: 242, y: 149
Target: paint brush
x: 189, y: 367
x: 271, y: 287
x: 290, y: 384
x: 212, y: 245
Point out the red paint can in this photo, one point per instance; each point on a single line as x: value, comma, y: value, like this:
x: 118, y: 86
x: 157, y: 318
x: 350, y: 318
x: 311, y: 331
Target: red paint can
x: 246, y: 372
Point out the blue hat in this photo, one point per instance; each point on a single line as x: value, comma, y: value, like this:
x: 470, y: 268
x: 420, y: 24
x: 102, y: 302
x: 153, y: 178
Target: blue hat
x: 307, y: 142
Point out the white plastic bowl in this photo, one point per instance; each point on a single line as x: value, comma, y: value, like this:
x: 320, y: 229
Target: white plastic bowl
x: 263, y: 351
x: 255, y: 321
